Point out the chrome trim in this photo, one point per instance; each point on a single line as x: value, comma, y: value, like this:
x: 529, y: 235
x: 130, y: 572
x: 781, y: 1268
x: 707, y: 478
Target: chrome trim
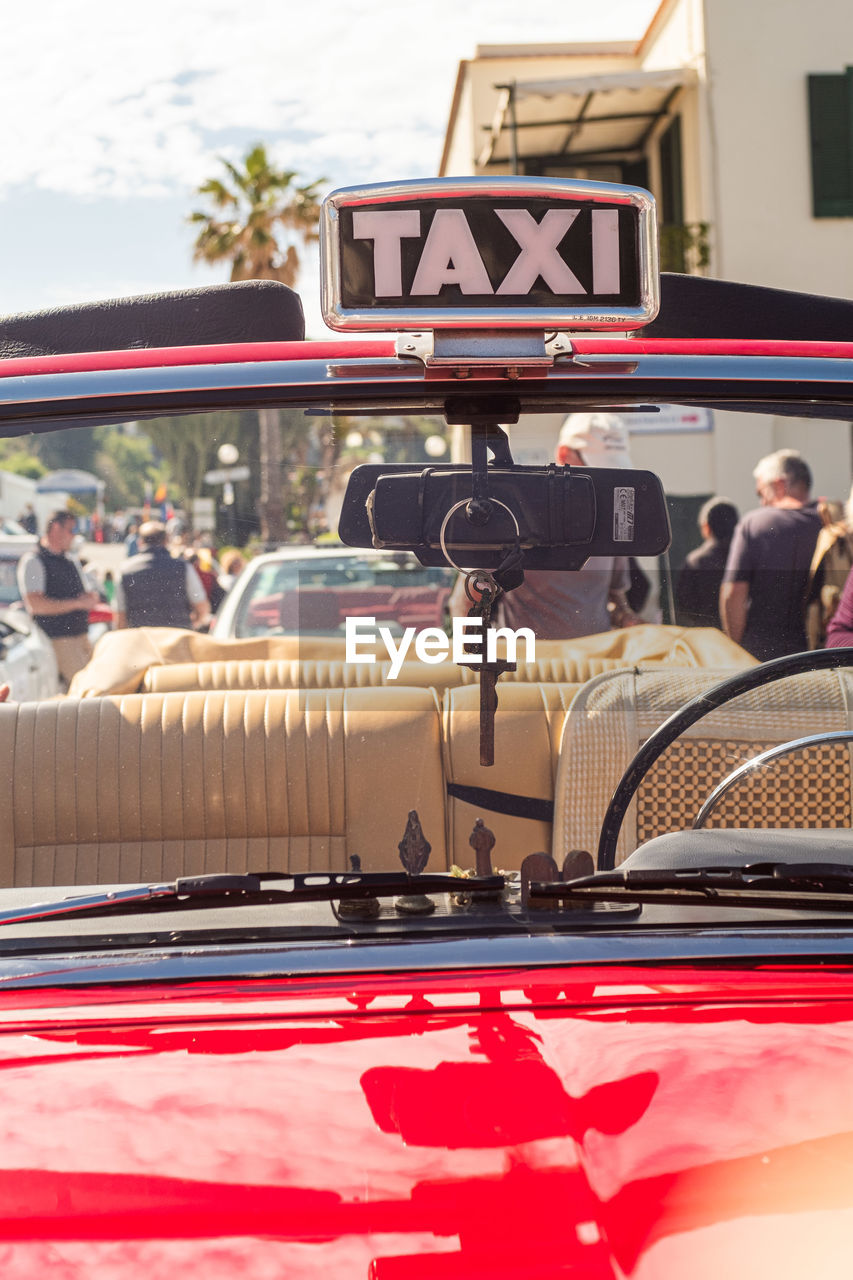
x: 802, y: 375
x: 713, y: 945
x: 485, y: 349
x: 757, y: 762
x: 594, y: 318
x: 821, y: 386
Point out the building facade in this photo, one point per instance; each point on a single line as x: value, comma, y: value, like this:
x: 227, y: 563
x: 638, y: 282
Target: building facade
x: 739, y: 118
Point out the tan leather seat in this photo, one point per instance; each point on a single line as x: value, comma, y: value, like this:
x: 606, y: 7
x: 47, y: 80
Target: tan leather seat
x: 528, y: 727
x: 121, y: 658
x: 301, y: 673
x: 151, y: 786
x: 615, y: 713
x: 297, y: 674
x: 558, y: 668
x: 557, y: 662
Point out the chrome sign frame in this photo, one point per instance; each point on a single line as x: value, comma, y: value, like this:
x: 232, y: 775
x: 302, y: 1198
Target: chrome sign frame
x: 563, y: 200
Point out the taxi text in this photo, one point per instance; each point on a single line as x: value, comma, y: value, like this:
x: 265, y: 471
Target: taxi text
x: 433, y: 645
x: 450, y: 254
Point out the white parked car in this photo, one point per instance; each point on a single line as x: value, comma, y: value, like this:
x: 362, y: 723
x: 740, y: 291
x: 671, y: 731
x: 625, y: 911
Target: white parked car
x: 312, y: 590
x: 27, y: 660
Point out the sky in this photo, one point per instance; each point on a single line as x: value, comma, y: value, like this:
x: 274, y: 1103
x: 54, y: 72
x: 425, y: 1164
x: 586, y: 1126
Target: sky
x: 114, y: 113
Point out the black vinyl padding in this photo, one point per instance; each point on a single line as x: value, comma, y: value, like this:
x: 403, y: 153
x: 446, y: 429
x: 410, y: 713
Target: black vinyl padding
x: 741, y: 847
x: 268, y: 311
x: 247, y: 311
x: 697, y: 307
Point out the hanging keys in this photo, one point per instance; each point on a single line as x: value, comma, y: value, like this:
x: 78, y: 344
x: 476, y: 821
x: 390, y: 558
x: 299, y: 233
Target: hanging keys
x: 510, y: 573
x: 490, y: 672
x: 483, y: 592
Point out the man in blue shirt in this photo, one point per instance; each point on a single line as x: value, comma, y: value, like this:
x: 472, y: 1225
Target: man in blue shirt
x: 763, y: 596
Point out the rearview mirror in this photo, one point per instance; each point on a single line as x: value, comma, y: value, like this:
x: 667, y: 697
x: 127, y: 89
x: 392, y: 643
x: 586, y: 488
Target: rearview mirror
x: 558, y: 516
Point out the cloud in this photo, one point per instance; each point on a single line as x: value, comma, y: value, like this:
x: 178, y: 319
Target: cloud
x: 120, y: 111
x: 116, y: 101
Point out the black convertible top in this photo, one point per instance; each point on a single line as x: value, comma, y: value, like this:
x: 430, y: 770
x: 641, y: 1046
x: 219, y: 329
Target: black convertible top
x: 247, y: 311
x: 696, y: 307
x: 267, y: 311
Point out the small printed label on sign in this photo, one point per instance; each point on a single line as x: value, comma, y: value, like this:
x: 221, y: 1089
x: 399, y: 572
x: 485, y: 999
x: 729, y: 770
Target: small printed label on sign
x: 623, y: 513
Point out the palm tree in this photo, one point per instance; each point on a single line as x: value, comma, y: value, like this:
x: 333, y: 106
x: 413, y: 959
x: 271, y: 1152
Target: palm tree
x: 259, y: 219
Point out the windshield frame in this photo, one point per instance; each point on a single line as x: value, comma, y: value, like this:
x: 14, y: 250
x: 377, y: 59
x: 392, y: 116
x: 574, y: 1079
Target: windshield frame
x: 798, y: 378
x: 801, y: 377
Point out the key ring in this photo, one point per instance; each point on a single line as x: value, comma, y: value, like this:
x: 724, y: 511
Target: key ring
x: 474, y: 578
x: 463, y: 503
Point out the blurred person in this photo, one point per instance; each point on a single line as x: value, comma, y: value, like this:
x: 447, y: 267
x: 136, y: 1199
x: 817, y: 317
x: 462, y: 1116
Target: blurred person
x: 155, y: 589
x: 178, y: 532
x: 839, y: 632
x: 697, y: 595
x: 56, y: 593
x: 830, y: 567
x: 28, y: 519
x: 231, y: 565
x: 766, y: 579
x: 203, y: 561
x: 131, y: 542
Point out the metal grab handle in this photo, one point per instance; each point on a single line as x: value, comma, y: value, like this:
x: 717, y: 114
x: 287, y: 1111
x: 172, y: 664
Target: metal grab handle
x: 772, y: 753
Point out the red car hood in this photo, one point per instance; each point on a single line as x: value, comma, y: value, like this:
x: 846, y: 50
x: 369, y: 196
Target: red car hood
x: 574, y: 1123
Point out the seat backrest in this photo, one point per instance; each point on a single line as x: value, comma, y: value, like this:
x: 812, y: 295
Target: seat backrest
x: 297, y: 674
x: 566, y: 668
x: 261, y: 673
x: 310, y: 673
x: 528, y: 727
x: 615, y: 713
x: 152, y: 786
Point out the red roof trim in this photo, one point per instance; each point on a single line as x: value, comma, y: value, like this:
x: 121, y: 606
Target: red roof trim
x: 225, y: 353
x: 383, y: 348
x: 712, y: 347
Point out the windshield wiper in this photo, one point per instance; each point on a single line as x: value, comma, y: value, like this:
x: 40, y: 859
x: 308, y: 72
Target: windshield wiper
x: 193, y: 892
x: 803, y: 886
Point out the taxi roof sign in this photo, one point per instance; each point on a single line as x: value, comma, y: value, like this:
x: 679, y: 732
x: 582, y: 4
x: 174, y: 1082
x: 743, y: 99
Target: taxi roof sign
x: 497, y: 253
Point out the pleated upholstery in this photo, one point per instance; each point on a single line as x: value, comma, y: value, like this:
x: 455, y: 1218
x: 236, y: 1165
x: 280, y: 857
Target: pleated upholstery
x: 152, y: 786
x: 330, y: 674
x: 615, y: 713
x: 558, y: 669
x: 297, y: 674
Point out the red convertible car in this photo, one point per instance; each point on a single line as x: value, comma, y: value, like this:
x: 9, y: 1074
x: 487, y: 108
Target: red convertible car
x: 316, y: 961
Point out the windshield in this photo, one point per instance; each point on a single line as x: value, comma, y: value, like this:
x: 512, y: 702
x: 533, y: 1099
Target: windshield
x: 284, y: 703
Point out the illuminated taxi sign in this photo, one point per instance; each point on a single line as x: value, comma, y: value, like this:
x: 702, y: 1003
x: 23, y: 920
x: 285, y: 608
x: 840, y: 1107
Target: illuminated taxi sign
x: 494, y: 253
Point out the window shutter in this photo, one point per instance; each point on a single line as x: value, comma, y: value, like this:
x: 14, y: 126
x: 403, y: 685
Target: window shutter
x: 831, y: 129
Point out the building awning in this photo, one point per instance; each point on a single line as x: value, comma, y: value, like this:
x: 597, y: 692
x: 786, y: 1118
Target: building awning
x: 577, y: 119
